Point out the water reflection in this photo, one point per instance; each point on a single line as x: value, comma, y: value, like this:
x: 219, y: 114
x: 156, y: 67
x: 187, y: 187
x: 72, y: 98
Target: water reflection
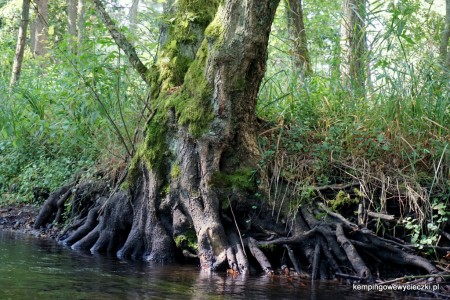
x: 39, y: 269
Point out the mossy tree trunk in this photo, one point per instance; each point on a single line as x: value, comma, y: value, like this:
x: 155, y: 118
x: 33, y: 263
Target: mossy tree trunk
x: 200, y: 149
x: 203, y: 133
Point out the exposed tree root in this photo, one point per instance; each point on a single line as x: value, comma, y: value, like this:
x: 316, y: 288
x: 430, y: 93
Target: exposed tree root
x: 355, y: 259
x: 130, y: 226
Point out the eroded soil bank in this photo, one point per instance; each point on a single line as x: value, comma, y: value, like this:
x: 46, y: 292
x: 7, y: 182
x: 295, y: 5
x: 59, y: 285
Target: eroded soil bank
x: 20, y: 218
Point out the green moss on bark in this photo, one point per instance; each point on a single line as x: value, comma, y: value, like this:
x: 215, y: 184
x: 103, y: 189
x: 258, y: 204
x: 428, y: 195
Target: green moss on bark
x: 241, y: 179
x: 192, y: 102
x: 179, y: 81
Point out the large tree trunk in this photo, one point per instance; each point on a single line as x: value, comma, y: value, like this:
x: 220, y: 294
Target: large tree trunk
x: 353, y: 64
x: 20, y: 47
x: 201, y: 139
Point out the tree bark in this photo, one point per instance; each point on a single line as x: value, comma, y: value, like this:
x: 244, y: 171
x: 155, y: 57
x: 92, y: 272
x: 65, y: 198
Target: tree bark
x: 81, y: 21
x: 20, y: 47
x: 297, y: 34
x: 353, y: 64
x: 39, y: 30
x: 132, y: 16
x: 72, y: 11
x: 443, y: 47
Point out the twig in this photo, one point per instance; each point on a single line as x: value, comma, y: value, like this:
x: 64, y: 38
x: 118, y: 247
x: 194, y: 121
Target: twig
x: 338, y: 186
x: 437, y: 170
x: 381, y: 216
x: 237, y: 227
x: 338, y: 216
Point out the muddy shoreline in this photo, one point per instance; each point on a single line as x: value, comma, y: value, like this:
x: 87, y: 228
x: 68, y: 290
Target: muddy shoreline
x: 20, y: 218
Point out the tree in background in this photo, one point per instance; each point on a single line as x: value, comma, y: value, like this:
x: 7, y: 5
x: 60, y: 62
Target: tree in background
x: 297, y: 35
x: 20, y: 47
x: 72, y: 12
x: 443, y: 48
x: 353, y: 64
x: 81, y: 20
x: 132, y: 16
x: 39, y: 28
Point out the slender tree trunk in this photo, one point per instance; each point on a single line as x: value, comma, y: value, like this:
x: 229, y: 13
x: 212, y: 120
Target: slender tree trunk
x: 297, y: 34
x: 20, y: 47
x: 72, y: 11
x: 443, y: 48
x: 132, y: 16
x: 40, y: 28
x: 353, y: 65
x: 81, y: 21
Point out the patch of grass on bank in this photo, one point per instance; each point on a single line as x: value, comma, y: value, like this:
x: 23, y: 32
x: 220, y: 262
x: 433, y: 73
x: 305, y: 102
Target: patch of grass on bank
x: 394, y: 145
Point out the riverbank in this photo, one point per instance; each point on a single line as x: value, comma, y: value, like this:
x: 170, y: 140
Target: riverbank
x: 20, y: 218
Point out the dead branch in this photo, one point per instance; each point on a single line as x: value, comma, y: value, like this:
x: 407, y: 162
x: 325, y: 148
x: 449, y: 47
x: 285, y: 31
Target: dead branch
x: 293, y: 259
x: 337, y: 216
x: 356, y: 261
x: 381, y: 216
x: 259, y: 256
x: 348, y: 276
x: 316, y: 262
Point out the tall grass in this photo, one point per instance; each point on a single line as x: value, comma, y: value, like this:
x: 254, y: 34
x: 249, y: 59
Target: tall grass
x: 394, y: 142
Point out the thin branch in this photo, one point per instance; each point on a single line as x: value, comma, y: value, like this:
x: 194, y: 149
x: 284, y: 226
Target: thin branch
x: 237, y: 227
x: 122, y: 41
x: 133, y: 148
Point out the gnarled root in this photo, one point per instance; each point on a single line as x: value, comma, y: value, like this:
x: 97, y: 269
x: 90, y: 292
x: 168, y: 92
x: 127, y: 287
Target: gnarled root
x: 141, y: 224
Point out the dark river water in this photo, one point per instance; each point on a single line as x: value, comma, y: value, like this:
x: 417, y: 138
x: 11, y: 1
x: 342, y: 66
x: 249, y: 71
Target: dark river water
x: 31, y: 268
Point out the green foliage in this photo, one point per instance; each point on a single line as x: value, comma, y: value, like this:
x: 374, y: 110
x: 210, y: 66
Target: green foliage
x: 154, y: 150
x: 242, y: 179
x: 342, y: 199
x: 59, y: 118
x: 429, y: 233
x: 401, y: 127
x: 175, y: 170
x: 187, y: 240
